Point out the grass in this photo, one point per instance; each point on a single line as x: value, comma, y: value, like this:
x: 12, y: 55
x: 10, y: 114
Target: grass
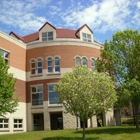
x: 128, y: 120
x: 102, y: 133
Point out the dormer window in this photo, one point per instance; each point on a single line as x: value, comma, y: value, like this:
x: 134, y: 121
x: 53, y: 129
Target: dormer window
x: 47, y: 36
x: 86, y: 37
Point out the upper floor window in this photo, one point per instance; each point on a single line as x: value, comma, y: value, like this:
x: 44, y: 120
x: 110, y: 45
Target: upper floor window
x: 86, y: 37
x: 4, y: 123
x: 49, y: 64
x: 57, y: 64
x: 93, y: 64
x: 78, y: 60
x: 33, y: 67
x: 84, y: 62
x: 53, y: 64
x: 46, y: 36
x: 37, y: 95
x: 39, y: 65
x: 5, y: 55
x: 53, y: 96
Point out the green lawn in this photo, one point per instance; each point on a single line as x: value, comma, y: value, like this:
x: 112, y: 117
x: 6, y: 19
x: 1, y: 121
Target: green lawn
x: 102, y: 133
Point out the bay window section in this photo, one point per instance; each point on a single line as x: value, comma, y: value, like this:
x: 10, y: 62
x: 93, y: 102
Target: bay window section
x: 53, y: 96
x: 37, y: 95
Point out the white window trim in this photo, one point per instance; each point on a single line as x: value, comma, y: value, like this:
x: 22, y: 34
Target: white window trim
x: 34, y: 106
x: 5, y: 129
x: 39, y: 67
x: 18, y: 123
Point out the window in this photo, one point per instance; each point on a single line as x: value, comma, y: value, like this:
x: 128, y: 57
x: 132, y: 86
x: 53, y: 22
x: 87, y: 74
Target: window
x: 53, y: 96
x: 47, y: 36
x: 78, y: 61
x: 86, y: 37
x: 39, y: 66
x: 84, y: 62
x: 57, y: 64
x: 50, y: 65
x: 5, y: 55
x: 4, y: 123
x: 93, y: 64
x: 18, y: 123
x: 37, y: 95
x: 33, y: 67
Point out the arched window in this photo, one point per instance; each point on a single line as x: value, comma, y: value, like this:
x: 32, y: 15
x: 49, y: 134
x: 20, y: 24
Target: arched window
x: 39, y: 65
x: 93, y: 64
x: 77, y: 60
x: 84, y: 62
x: 50, y: 65
x: 57, y: 64
x: 33, y: 67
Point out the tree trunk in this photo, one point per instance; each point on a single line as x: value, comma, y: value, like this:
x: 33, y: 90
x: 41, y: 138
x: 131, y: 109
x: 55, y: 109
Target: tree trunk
x: 84, y: 130
x: 137, y: 119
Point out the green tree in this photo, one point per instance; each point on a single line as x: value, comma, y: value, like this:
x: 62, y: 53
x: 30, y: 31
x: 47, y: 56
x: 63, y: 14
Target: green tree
x: 8, y: 103
x: 120, y: 57
x: 85, y: 93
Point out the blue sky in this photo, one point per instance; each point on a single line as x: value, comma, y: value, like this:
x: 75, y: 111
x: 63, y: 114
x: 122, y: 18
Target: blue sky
x: 104, y: 17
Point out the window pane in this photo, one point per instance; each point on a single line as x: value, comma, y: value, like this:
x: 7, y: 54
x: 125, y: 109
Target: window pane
x: 50, y: 38
x: 88, y: 36
x: 40, y: 89
x: 33, y: 71
x: 84, y: 35
x: 20, y: 125
x: 1, y: 126
x: 44, y: 34
x: 92, y: 62
x: 84, y: 61
x: 15, y: 126
x: 5, y: 125
x: 89, y: 40
x: 50, y: 34
x: 33, y: 65
x: 6, y: 54
x: 20, y: 121
x: 78, y: 60
x: 15, y: 121
x: 39, y: 70
x: 5, y: 120
x: 39, y: 64
x: 50, y: 69
x: 1, y: 120
x: 51, y: 87
x: 49, y: 63
x: 53, y: 98
x: 57, y: 69
x: 44, y: 39
x: 57, y: 62
x: 33, y: 89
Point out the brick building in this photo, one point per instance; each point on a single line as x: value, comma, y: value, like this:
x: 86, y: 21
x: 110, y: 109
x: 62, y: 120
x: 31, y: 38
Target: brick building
x: 38, y: 61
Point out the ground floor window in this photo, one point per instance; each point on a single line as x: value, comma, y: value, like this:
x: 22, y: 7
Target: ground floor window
x: 18, y: 123
x: 4, y: 123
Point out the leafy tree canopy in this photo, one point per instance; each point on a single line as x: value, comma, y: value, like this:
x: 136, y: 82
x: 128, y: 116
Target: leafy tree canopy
x: 8, y: 103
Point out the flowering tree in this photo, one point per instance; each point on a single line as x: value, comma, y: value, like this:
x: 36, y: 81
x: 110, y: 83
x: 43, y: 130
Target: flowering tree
x: 85, y: 93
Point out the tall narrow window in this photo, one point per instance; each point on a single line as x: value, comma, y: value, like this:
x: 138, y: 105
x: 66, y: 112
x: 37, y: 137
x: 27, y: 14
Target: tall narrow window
x: 93, y: 64
x: 49, y: 64
x: 5, y: 55
x: 78, y: 61
x: 86, y: 37
x: 33, y: 67
x: 57, y: 64
x: 84, y: 62
x: 53, y: 96
x: 39, y: 66
x: 37, y: 95
x: 4, y: 123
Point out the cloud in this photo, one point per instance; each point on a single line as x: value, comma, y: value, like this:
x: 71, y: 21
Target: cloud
x: 104, y: 15
x: 20, y: 14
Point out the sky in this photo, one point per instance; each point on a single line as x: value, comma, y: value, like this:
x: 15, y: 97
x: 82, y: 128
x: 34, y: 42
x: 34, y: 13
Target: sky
x: 104, y: 17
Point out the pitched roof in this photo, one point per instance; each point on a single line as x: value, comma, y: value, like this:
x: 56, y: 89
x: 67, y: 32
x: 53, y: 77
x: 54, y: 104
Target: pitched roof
x: 48, y: 24
x: 83, y: 27
x: 17, y: 36
x: 31, y: 37
x: 65, y: 33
